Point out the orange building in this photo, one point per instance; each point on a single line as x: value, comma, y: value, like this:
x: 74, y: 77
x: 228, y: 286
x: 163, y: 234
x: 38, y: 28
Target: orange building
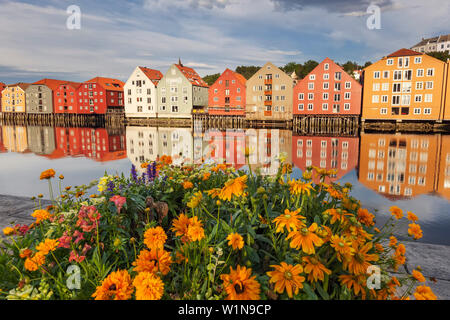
x: 227, y: 96
x: 399, y: 166
x: 338, y: 153
x: 447, y: 95
x: 2, y: 86
x: 327, y: 90
x: 405, y: 85
x: 14, y: 98
x: 443, y: 179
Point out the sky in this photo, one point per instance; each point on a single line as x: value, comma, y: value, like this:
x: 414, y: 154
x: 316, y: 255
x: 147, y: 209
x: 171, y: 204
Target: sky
x: 208, y: 35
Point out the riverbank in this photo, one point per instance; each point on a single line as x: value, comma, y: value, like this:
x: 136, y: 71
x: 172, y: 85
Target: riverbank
x: 433, y: 259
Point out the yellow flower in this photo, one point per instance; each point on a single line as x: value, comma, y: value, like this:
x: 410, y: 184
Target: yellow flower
x: 240, y: 284
x: 359, y: 262
x: 236, y: 241
x: 315, y: 269
x: 155, y: 238
x: 234, y: 187
x: 290, y: 219
x: 337, y: 215
x: 305, y: 239
x: 424, y: 293
x: 342, y: 246
x: 148, y: 286
x: 47, y: 174
x: 287, y: 277
x: 195, y: 200
x: 8, y: 231
x: 297, y: 187
x: 307, y: 175
x: 41, y: 215
x: 396, y: 212
x: 117, y: 286
x: 47, y: 246
x: 213, y: 193
x: 418, y: 276
x: 154, y: 261
x: 415, y: 231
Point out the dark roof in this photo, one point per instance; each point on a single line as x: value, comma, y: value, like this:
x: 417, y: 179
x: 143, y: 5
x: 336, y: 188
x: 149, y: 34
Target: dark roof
x: 404, y: 52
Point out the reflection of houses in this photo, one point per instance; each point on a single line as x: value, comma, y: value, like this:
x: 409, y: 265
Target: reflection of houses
x: 13, y: 98
x: 398, y: 166
x: 339, y: 153
x: 269, y: 94
x: 227, y: 147
x: 265, y: 146
x: 147, y: 144
x: 443, y: 180
x: 41, y: 140
x: 15, y: 138
x: 2, y: 146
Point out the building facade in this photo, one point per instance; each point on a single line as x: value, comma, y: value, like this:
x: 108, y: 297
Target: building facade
x: 2, y: 86
x: 141, y: 96
x: 227, y: 96
x: 14, y: 98
x: 98, y: 95
x: 39, y: 96
x: 406, y: 85
x: 327, y: 90
x: 436, y: 44
x: 65, y: 98
x: 181, y: 92
x: 269, y: 94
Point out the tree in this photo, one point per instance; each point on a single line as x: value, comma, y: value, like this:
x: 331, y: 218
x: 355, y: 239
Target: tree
x: 210, y: 79
x: 247, y: 71
x: 444, y: 56
x: 306, y: 68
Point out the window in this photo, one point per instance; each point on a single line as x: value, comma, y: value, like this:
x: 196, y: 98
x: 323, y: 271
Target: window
x: 407, y: 75
x: 337, y: 97
x: 418, y: 60
x: 419, y: 85
x: 375, y: 99
x: 311, y: 86
x: 390, y: 62
x: 337, y: 86
x: 310, y: 106
x: 346, y: 106
x: 312, y: 77
x: 301, y: 107
x: 337, y: 75
x: 385, y: 87
x: 427, y: 111
x: 174, y: 108
x: 301, y: 96
x: 430, y: 72
x: 395, y: 100
x: 419, y: 73
x: 385, y: 74
x: 347, y: 96
x: 429, y: 85
x: 429, y: 98
x: 326, y: 76
x: 348, y: 85
x: 310, y: 96
x: 324, y: 106
x: 396, y: 87
x: 326, y: 85
x: 326, y: 66
x: 325, y: 96
x: 418, y: 98
x: 397, y: 75
x: 376, y: 87
x: 376, y: 75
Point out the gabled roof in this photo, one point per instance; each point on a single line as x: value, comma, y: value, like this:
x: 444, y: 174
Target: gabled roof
x: 404, y: 52
x: 51, y: 83
x: 109, y: 84
x: 192, y: 76
x: 153, y: 75
x: 21, y: 85
x: 438, y: 39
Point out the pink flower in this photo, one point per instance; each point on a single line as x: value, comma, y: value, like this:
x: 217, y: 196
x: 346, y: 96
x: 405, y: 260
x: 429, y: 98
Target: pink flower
x: 79, y: 236
x: 76, y: 257
x: 65, y: 241
x: 23, y: 229
x: 118, y: 201
x: 88, y: 218
x: 86, y: 248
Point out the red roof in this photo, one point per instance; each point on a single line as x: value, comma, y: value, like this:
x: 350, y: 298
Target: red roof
x: 21, y: 85
x: 192, y: 76
x: 404, y: 52
x: 154, y: 75
x: 51, y: 83
x: 109, y: 84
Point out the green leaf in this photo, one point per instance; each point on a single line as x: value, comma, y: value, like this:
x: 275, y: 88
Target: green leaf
x: 308, y: 290
x: 323, y: 293
x: 252, y: 254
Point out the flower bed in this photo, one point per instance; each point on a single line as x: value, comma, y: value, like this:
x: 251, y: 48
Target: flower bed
x: 207, y: 232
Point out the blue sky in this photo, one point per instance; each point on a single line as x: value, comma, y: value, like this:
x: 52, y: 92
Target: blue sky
x: 208, y: 35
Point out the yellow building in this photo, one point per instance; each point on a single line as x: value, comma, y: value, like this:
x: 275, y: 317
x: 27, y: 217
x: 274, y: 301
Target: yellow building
x: 269, y: 94
x: 405, y: 85
x: 447, y: 95
x: 13, y: 98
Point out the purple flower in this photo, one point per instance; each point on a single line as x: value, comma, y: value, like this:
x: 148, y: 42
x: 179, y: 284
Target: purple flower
x: 134, y: 173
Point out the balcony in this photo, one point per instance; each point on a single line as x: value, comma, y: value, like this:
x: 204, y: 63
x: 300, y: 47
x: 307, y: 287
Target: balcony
x: 268, y: 92
x: 268, y: 102
x: 268, y: 81
x: 267, y: 113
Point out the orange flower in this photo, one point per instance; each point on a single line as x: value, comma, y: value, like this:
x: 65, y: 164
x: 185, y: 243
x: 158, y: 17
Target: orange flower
x: 236, y: 241
x: 360, y: 260
x: 206, y: 176
x: 26, y: 253
x: 337, y: 215
x: 290, y: 220
x: 41, y: 215
x: 315, y: 269
x: 379, y: 247
x: 155, y: 238
x: 305, y: 239
x: 357, y: 282
x: 117, y: 286
x: 196, y: 233
x: 334, y: 193
x: 239, y: 284
x: 297, y: 187
x: 365, y: 217
x: 144, y: 165
x: 167, y: 160
x: 424, y: 293
x: 8, y: 231
x: 153, y: 261
x: 392, y: 241
x: 342, y: 246
x: 47, y: 246
x: 234, y: 187
x: 415, y: 231
x: 287, y: 277
x: 187, y: 185
x: 32, y: 264
x: 399, y: 256
x: 412, y: 217
x: 418, y: 276
x: 47, y: 174
x: 180, y: 225
x: 396, y: 212
x: 213, y: 193
x: 148, y: 286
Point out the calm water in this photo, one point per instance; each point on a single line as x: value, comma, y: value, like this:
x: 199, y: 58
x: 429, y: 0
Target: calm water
x: 408, y: 170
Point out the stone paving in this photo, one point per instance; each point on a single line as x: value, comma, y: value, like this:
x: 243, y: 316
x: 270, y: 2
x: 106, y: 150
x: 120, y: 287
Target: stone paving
x: 433, y: 259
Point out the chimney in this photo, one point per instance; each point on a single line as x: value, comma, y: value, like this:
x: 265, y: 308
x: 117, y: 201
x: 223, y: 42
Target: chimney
x: 179, y: 62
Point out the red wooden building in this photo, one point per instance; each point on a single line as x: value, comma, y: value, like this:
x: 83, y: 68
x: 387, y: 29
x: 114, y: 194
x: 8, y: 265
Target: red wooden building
x: 99, y: 95
x: 2, y: 86
x: 327, y: 90
x: 227, y: 96
x: 66, y: 99
x: 339, y: 153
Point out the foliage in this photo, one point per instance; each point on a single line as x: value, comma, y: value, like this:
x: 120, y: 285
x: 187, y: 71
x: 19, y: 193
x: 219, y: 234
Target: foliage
x: 206, y: 232
x: 211, y: 79
x: 444, y: 56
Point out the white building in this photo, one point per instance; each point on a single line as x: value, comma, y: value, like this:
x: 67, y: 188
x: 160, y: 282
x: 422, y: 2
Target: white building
x: 440, y: 44
x: 141, y: 96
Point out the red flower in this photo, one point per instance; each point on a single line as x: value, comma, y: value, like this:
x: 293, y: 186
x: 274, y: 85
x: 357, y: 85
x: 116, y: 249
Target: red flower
x: 118, y: 201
